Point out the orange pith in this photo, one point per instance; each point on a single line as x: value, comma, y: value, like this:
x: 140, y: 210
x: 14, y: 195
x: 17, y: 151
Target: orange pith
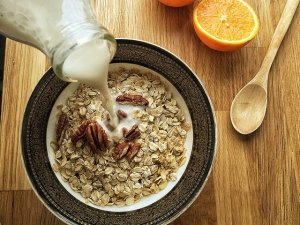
x: 225, y: 25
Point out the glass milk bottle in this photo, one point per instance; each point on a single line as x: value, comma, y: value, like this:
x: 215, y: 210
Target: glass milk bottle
x: 65, y: 30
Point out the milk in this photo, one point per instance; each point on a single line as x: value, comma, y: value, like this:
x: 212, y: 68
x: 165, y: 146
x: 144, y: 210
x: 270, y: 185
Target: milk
x: 89, y: 64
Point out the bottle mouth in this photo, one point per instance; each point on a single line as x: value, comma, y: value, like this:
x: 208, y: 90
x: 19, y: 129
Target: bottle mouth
x: 87, y: 62
x: 71, y: 45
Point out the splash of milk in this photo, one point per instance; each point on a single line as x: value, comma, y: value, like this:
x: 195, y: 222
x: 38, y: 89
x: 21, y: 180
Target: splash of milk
x: 89, y: 64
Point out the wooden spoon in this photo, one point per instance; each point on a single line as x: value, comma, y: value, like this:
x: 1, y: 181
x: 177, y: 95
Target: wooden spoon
x: 249, y: 106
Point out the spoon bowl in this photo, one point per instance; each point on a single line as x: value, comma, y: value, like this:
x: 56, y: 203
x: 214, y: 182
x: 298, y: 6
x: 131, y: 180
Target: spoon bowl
x: 248, y: 108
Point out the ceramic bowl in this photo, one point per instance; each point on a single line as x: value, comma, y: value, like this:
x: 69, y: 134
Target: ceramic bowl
x: 69, y: 206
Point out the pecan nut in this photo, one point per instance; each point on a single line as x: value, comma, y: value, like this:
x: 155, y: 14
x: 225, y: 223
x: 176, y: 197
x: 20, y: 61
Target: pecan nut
x: 121, y: 149
x: 132, y: 134
x: 121, y: 114
x: 133, y: 150
x: 80, y: 132
x: 96, y: 137
x: 132, y: 100
x: 61, y: 124
x: 129, y: 149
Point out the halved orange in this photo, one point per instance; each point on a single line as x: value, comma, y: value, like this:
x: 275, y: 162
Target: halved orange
x: 176, y: 3
x: 225, y: 25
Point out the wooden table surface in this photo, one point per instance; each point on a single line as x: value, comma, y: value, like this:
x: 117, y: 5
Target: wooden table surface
x: 256, y: 178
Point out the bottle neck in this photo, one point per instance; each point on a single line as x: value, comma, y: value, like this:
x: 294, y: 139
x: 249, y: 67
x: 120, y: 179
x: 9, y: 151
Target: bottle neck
x: 75, y: 37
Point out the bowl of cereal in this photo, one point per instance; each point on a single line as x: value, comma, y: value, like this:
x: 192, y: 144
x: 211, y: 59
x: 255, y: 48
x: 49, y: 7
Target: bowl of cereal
x: 147, y: 170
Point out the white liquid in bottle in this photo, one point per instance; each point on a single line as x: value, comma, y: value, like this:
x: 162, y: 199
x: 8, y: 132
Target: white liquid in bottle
x: 89, y: 64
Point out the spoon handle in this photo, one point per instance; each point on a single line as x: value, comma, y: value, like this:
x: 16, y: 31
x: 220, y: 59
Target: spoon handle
x: 281, y: 29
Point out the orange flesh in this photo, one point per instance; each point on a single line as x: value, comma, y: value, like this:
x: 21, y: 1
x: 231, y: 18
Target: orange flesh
x: 227, y: 20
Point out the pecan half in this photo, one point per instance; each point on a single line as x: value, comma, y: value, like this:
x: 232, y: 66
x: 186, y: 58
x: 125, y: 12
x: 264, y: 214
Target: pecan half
x: 80, y: 132
x: 96, y: 137
x: 132, y: 100
x: 61, y: 124
x: 121, y: 114
x: 121, y: 149
x: 133, y: 150
x: 133, y: 133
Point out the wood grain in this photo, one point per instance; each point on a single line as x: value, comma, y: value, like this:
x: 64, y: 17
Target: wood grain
x: 24, y: 66
x: 256, y: 178
x: 23, y: 207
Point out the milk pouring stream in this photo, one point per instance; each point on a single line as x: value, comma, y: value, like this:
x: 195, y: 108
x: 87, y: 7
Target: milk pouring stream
x: 66, y: 31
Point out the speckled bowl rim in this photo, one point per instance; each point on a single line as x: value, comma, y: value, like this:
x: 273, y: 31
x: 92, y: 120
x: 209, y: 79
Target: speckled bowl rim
x: 212, y: 158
